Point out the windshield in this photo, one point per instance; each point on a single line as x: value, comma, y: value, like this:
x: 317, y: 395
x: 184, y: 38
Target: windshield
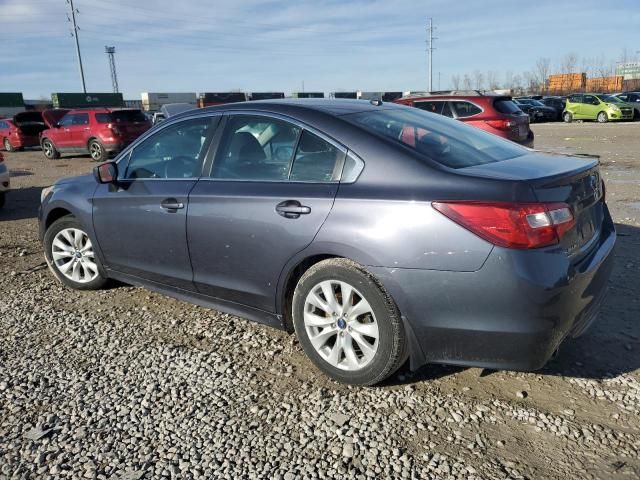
x: 507, y: 106
x: 610, y: 99
x: 442, y: 140
x: 537, y: 103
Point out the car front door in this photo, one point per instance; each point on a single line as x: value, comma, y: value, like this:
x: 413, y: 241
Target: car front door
x: 140, y: 222
x: 271, y: 187
x: 78, y: 131
x: 589, y: 107
x: 62, y: 134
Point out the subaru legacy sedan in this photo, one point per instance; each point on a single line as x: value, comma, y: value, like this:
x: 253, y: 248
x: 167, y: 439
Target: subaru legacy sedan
x: 378, y: 233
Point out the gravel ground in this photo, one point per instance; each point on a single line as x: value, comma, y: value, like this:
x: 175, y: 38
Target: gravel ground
x: 128, y: 384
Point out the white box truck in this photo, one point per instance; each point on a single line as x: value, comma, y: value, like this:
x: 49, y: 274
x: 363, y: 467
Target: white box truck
x: 152, y: 102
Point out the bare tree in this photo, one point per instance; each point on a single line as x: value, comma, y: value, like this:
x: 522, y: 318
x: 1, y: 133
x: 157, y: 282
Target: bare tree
x: 603, y: 67
x: 569, y: 63
x: 455, y: 81
x: 508, y: 79
x: 516, y: 84
x: 466, y: 82
x: 543, y: 66
x: 531, y: 84
x: 492, y: 80
x: 625, y: 57
x: 478, y: 80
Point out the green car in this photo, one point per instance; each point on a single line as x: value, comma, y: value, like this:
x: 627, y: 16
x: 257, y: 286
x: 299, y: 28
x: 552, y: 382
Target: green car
x: 596, y: 106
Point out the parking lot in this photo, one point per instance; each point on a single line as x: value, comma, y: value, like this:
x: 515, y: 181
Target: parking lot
x: 125, y: 383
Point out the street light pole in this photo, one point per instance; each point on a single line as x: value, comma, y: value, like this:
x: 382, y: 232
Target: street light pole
x: 75, y: 36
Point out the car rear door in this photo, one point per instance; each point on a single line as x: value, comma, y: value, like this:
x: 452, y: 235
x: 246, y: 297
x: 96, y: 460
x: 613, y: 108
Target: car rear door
x: 271, y: 186
x: 140, y: 223
x: 79, y: 131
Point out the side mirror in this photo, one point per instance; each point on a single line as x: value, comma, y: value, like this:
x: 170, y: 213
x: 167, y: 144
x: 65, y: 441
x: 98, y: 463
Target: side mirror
x: 106, y: 172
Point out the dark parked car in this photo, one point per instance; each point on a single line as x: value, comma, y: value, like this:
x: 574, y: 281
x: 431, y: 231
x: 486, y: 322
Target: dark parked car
x: 537, y: 111
x: 21, y: 131
x: 376, y: 232
x: 5, y: 181
x: 495, y: 114
x: 97, y: 131
x: 557, y: 103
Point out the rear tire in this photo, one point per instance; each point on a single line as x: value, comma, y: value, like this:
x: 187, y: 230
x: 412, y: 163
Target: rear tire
x: 71, y: 255
x: 49, y: 150
x: 602, y: 117
x: 7, y: 145
x: 350, y: 341
x: 97, y: 151
x: 567, y: 117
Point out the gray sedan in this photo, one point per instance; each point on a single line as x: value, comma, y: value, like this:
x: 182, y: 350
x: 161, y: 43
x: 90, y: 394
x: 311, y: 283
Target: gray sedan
x: 378, y: 233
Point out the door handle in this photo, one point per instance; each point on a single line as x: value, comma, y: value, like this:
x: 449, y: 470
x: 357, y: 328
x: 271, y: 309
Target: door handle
x: 171, y: 204
x: 292, y: 209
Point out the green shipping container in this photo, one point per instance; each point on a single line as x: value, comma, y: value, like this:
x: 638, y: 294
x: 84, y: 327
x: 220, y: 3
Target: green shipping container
x: 11, y: 100
x: 86, y: 100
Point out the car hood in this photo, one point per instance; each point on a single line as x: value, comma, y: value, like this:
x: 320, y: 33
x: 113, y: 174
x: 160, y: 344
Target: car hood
x: 87, y: 178
x: 52, y: 117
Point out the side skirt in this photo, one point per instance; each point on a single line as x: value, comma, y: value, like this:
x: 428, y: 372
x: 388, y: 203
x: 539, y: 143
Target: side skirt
x: 232, y: 308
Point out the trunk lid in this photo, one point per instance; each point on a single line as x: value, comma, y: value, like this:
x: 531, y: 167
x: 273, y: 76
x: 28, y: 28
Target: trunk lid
x: 30, y: 125
x: 52, y: 117
x: 573, y: 180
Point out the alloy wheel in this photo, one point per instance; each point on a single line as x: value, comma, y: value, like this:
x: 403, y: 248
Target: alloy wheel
x: 602, y: 117
x: 72, y: 252
x: 48, y: 148
x: 341, y: 325
x: 95, y: 150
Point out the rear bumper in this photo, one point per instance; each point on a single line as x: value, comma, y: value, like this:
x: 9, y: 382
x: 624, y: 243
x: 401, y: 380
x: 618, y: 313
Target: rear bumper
x: 513, y: 313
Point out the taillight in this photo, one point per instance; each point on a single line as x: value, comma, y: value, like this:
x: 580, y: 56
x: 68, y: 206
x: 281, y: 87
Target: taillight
x: 500, y: 124
x: 113, y: 128
x: 512, y: 225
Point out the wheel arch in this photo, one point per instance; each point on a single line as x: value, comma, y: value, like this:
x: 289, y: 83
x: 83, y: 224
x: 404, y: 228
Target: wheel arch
x: 56, y: 214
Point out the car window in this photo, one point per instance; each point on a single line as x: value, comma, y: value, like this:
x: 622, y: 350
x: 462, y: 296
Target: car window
x: 66, y: 121
x: 103, y: 118
x: 575, y: 98
x: 466, y: 109
x: 4, y: 125
x: 448, y: 142
x: 624, y: 98
x: 316, y: 160
x: 433, y: 107
x: 80, y: 119
x: 590, y: 100
x: 506, y: 106
x: 256, y: 148
x: 174, y: 152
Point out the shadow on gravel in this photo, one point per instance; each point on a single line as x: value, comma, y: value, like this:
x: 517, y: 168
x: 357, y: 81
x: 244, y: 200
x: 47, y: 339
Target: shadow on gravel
x: 21, y: 203
x: 611, y: 346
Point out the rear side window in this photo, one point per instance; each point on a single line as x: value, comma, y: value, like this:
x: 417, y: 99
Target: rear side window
x: 465, y: 109
x: 256, y: 148
x: 448, y: 142
x: 4, y: 125
x: 508, y: 107
x: 316, y: 160
x: 433, y: 107
x: 103, y: 118
x: 575, y: 99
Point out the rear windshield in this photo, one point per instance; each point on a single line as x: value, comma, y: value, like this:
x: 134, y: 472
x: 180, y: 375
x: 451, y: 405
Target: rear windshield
x: 121, y: 116
x: 506, y: 106
x: 443, y: 140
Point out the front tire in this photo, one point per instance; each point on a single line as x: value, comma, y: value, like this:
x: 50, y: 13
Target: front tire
x: 7, y: 145
x: 347, y: 324
x: 49, y: 150
x: 602, y: 117
x: 71, y: 255
x: 97, y: 151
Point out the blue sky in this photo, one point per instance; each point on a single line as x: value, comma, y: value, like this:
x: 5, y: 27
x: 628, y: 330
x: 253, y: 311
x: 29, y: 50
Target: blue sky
x: 270, y: 45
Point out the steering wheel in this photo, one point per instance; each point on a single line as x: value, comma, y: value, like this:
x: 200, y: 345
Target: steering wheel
x: 181, y: 166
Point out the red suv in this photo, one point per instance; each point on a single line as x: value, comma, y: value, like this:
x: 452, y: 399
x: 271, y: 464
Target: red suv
x: 496, y: 114
x: 21, y: 131
x: 97, y: 131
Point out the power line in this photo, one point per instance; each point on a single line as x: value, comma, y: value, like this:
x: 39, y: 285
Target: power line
x: 75, y: 36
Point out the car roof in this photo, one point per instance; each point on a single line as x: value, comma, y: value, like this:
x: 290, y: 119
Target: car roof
x: 334, y: 107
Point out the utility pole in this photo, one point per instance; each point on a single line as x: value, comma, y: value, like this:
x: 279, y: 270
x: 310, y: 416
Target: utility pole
x: 430, y: 49
x: 111, y: 51
x: 75, y: 35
